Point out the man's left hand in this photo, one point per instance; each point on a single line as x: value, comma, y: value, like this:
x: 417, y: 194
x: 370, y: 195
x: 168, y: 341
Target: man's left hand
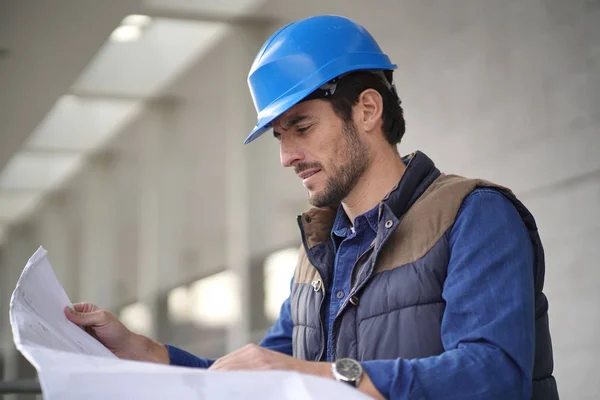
x: 258, y: 358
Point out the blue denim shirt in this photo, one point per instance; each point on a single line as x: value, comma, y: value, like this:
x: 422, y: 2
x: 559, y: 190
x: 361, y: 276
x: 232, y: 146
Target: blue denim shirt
x: 488, y: 292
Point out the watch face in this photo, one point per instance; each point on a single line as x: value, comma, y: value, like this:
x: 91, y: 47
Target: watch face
x: 349, y: 369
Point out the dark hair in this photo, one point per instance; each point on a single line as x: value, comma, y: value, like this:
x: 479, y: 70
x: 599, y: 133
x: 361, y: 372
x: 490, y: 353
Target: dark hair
x: 352, y: 85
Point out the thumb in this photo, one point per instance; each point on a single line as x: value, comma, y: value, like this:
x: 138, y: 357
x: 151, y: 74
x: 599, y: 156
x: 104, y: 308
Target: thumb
x: 94, y: 318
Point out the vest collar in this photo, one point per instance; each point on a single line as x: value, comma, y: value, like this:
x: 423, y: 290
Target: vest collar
x: 420, y: 173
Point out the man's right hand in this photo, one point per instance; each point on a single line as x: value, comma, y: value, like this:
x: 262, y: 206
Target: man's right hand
x: 109, y: 331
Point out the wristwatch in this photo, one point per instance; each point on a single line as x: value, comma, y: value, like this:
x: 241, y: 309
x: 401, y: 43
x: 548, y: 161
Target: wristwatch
x: 347, y: 370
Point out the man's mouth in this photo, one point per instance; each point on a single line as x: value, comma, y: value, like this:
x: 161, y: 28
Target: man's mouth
x: 308, y: 173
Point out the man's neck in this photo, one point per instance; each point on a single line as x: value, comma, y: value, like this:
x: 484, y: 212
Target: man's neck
x: 383, y: 174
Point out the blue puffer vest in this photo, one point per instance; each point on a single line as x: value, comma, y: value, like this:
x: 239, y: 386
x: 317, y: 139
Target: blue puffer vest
x: 413, y: 221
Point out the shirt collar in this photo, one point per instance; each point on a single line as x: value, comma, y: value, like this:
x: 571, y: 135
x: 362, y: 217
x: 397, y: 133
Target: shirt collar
x: 342, y: 226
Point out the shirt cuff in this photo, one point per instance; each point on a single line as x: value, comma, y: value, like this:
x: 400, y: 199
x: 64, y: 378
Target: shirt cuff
x: 185, y: 359
x: 385, y: 374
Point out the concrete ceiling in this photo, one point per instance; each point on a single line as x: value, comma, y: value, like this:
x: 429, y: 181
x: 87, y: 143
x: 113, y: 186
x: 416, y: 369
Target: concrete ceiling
x: 49, y: 50
x: 46, y: 46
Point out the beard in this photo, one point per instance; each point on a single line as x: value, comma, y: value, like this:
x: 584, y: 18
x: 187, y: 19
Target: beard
x: 343, y: 177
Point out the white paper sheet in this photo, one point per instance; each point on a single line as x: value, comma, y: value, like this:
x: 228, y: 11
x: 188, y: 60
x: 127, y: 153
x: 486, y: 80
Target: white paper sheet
x: 73, y: 365
x: 37, y: 316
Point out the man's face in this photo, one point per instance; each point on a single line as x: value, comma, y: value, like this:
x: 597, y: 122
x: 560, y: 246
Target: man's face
x: 326, y: 153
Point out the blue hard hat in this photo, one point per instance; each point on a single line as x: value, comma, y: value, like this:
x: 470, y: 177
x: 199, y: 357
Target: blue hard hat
x: 303, y: 56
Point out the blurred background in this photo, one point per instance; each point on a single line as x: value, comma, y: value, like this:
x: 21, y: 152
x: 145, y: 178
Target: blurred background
x: 121, y: 130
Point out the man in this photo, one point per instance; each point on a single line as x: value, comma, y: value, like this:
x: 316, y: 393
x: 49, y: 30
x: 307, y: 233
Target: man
x: 410, y: 283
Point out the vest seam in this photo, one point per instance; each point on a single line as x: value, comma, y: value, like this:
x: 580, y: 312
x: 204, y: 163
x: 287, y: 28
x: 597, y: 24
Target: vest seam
x: 307, y: 326
x: 401, y: 308
x: 443, y: 237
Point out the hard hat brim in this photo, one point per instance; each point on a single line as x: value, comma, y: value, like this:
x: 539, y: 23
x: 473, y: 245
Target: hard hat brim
x: 296, y: 95
x: 275, y: 110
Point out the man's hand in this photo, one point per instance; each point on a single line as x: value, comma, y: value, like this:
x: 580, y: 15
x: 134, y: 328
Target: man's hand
x: 253, y: 357
x: 109, y: 331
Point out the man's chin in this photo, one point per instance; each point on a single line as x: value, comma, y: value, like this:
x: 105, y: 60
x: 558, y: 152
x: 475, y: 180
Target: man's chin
x: 313, y: 193
x: 313, y: 199
x: 318, y: 200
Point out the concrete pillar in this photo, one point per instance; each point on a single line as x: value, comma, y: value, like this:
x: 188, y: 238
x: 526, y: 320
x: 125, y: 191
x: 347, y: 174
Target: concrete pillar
x: 54, y: 233
x: 160, y: 213
x: 97, y: 256
x: 240, y: 119
x: 17, y: 250
x: 149, y: 223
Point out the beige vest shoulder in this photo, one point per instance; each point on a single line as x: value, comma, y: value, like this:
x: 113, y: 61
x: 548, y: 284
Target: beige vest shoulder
x: 427, y: 220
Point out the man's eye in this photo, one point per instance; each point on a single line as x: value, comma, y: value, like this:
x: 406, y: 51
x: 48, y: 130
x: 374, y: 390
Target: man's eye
x: 303, y: 129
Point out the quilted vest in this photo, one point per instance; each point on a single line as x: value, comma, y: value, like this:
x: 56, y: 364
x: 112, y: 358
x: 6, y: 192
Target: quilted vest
x: 410, y: 254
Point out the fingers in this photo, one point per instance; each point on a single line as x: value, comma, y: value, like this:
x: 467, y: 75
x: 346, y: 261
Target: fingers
x: 225, y: 361
x: 83, y: 318
x: 236, y: 354
x: 235, y: 366
x: 85, y: 307
x: 231, y: 364
x: 250, y: 356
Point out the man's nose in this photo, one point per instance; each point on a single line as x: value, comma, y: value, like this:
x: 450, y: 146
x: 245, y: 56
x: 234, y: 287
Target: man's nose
x: 289, y: 153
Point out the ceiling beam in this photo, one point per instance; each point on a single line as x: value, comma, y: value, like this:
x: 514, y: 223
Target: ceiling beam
x: 249, y: 20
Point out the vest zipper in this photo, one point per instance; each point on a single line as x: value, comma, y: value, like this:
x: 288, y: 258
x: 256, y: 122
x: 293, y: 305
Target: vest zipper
x: 323, y: 337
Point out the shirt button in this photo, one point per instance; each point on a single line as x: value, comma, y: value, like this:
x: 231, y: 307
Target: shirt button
x: 389, y: 223
x: 340, y: 294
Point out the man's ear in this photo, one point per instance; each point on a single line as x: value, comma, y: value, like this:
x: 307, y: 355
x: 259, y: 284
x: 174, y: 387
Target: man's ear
x: 370, y: 110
